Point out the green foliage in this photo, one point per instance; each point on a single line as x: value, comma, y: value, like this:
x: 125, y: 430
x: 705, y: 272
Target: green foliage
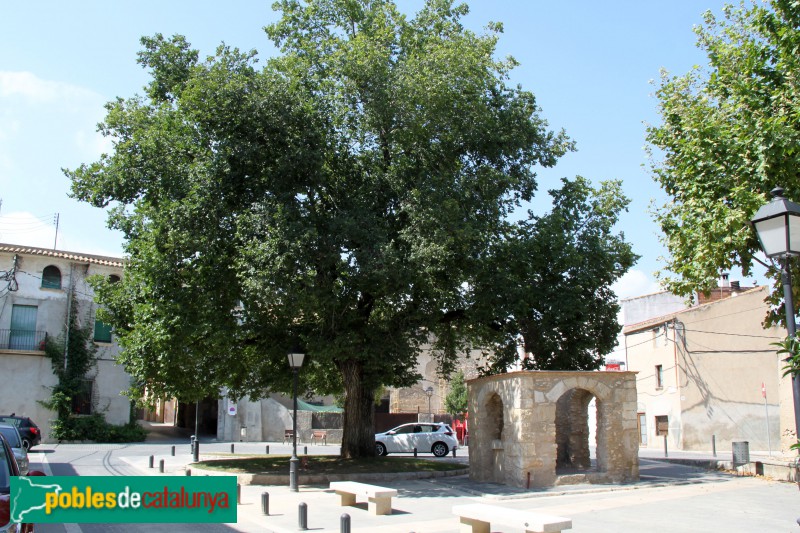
x: 729, y: 134
x: 548, y: 282
x: 95, y: 428
x: 456, y: 400
x: 790, y: 349
x: 352, y: 196
x: 81, y: 355
x: 75, y: 343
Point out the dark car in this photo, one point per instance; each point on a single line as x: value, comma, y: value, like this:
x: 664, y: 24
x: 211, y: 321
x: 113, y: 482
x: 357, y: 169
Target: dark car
x: 30, y: 432
x: 8, y: 468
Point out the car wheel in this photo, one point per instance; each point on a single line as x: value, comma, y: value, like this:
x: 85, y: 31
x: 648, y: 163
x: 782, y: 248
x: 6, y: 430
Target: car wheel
x: 439, y: 449
x: 26, y: 443
x: 380, y: 449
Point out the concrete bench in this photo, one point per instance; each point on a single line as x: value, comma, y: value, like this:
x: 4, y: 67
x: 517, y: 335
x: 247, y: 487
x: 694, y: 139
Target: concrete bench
x: 477, y: 517
x: 379, y: 498
x: 319, y: 434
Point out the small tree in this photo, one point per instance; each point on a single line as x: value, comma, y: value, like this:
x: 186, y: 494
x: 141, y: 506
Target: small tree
x: 456, y: 400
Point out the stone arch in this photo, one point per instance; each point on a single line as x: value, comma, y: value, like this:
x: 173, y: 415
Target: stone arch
x: 494, y: 417
x: 572, y: 431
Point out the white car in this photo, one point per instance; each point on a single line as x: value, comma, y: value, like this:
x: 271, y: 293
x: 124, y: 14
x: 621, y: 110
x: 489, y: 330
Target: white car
x: 437, y: 439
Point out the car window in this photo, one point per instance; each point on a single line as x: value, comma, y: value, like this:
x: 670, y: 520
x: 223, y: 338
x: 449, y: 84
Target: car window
x: 11, y: 436
x: 404, y: 429
x: 10, y: 421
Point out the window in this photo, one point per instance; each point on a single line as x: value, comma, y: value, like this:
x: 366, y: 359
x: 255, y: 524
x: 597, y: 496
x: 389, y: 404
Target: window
x: 82, y: 402
x: 23, y: 327
x: 642, y: 423
x: 662, y: 425
x: 102, y: 331
x: 51, y: 278
x: 659, y: 377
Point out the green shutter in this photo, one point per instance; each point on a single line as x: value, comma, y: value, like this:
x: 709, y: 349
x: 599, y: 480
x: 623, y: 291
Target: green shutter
x: 102, y: 331
x: 23, y: 327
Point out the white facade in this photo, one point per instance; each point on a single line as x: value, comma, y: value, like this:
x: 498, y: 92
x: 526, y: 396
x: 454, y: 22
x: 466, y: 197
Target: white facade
x: 34, y: 288
x: 701, y: 373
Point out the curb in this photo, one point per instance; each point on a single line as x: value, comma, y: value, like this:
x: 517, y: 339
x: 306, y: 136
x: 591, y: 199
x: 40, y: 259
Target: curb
x: 320, y: 479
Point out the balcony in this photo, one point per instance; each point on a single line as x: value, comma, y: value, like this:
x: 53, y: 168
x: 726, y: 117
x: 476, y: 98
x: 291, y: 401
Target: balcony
x: 22, y: 341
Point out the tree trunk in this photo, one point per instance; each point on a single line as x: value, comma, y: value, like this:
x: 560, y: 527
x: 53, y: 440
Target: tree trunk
x: 358, y: 435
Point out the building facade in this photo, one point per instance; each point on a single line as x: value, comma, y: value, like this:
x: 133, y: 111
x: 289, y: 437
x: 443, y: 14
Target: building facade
x: 709, y: 375
x: 35, y: 303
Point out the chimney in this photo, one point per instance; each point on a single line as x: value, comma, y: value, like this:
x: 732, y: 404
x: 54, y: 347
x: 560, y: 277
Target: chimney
x: 724, y: 282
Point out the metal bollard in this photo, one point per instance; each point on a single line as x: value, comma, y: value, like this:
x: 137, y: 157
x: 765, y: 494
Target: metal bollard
x: 415, y: 452
x: 302, y: 516
x: 238, y: 494
x: 265, y: 503
x: 161, y: 466
x: 454, y: 452
x: 173, y: 451
x: 714, y: 445
x: 666, y: 454
x: 267, y: 449
x: 344, y: 523
x: 151, y: 461
x: 305, y: 450
x: 196, y: 454
x: 231, y: 447
x: 188, y: 471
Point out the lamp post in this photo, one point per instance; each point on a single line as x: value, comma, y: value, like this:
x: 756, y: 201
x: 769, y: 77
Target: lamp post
x: 429, y: 392
x: 777, y: 225
x: 295, y: 362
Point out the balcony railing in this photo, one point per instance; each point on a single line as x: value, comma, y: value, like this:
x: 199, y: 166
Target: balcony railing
x: 24, y: 341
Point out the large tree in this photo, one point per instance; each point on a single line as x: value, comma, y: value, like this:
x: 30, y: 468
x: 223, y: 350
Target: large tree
x: 548, y: 285
x: 348, y: 199
x: 730, y: 133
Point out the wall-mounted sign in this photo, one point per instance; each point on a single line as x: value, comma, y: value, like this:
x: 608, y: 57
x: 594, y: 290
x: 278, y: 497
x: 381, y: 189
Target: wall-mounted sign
x: 232, y: 408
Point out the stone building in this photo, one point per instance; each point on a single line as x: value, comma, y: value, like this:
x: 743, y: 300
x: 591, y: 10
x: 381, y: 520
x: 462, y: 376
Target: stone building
x: 35, y: 289
x: 531, y: 429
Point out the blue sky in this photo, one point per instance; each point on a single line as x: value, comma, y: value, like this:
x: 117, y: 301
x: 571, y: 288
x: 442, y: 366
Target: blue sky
x: 590, y: 64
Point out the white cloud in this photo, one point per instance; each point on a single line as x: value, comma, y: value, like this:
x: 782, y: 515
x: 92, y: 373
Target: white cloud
x: 635, y: 283
x: 36, y: 90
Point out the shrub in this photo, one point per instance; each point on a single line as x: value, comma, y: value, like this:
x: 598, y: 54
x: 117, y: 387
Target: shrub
x: 94, y: 427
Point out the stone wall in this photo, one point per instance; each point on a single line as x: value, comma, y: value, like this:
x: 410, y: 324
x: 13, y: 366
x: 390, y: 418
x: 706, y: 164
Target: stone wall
x: 530, y: 429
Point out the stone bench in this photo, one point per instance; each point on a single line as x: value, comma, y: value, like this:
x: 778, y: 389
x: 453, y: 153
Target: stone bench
x: 477, y: 517
x: 379, y: 498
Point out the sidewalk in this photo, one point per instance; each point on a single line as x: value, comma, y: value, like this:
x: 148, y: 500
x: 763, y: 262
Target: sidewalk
x: 681, y: 498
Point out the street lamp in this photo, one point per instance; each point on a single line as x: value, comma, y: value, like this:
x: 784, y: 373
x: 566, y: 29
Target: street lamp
x: 429, y: 392
x: 777, y: 225
x: 295, y: 361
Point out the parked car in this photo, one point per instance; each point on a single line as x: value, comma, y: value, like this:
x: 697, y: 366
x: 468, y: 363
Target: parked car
x: 8, y: 468
x: 437, y: 439
x: 30, y: 432
x: 15, y: 441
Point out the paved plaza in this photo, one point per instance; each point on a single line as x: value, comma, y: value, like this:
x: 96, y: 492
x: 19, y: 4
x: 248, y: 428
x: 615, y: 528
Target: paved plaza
x: 669, y: 497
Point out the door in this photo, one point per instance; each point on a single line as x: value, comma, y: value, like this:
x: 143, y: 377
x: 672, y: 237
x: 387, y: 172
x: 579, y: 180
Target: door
x: 23, y: 328
x: 402, y: 440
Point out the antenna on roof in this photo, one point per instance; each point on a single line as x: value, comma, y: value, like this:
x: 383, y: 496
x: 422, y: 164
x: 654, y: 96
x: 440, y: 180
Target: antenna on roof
x: 55, y: 220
